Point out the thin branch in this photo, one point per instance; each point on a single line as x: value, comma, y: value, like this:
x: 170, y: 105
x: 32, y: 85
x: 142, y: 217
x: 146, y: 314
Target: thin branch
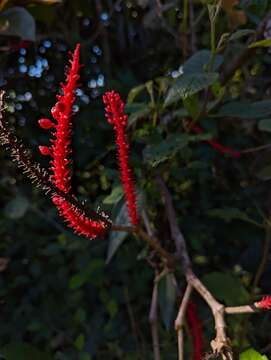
x: 180, y: 319
x: 153, y: 320
x: 221, y: 343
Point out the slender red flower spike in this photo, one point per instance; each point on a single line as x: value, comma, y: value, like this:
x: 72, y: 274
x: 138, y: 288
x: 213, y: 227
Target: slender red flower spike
x: 75, y: 219
x: 265, y: 303
x: 220, y: 148
x: 195, y: 327
x: 114, y: 112
x: 60, y: 151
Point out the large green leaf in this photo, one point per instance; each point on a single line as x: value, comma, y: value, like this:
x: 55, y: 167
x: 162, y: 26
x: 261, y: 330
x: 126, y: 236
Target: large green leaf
x: 116, y: 238
x: 19, y: 22
x: 228, y: 214
x: 166, y: 149
x: 167, y: 298
x: 226, y: 288
x: 20, y: 351
x: 246, y: 110
x: 198, y: 62
x: 252, y: 354
x: 155, y: 154
x: 189, y: 84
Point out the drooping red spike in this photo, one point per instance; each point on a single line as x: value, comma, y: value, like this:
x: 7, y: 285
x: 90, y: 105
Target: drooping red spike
x: 114, y: 108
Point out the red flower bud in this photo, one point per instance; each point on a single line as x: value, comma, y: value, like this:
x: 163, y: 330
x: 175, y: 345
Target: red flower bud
x: 44, y: 150
x: 46, y: 124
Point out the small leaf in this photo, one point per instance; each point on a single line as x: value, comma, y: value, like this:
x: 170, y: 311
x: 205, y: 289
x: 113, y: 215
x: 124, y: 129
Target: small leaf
x: 80, y: 342
x: 189, y: 84
x: 265, y: 125
x: 167, y: 297
x: 115, y: 196
x: 252, y: 354
x: 134, y: 92
x: 140, y: 113
x: 20, y: 23
x: 261, y: 43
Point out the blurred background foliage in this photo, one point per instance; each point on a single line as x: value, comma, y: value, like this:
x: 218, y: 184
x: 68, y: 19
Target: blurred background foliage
x: 63, y: 297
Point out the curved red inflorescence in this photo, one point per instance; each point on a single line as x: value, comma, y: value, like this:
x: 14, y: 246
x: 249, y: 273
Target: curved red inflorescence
x: 265, y: 303
x: 114, y: 112
x: 195, y: 328
x: 60, y: 151
x: 81, y: 224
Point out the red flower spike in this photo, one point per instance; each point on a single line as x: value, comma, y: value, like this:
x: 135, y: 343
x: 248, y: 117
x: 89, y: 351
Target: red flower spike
x: 60, y: 151
x: 44, y: 150
x: 62, y: 113
x: 218, y: 147
x: 195, y: 327
x: 114, y: 108
x: 46, y: 124
x: 81, y: 224
x: 265, y: 303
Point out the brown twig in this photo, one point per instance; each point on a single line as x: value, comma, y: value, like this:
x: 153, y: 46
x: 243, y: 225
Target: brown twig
x: 153, y: 320
x: 179, y: 322
x: 221, y: 343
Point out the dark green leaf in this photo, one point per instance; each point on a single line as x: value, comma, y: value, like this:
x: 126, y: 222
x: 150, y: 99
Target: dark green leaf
x: 199, y: 61
x: 189, y: 84
x: 228, y: 214
x: 155, y: 154
x: 245, y: 110
x: 167, y: 298
x: 115, y: 196
x: 226, y: 288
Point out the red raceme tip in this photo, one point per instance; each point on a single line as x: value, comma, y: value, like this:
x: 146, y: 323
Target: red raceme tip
x: 114, y: 112
x: 265, y: 303
x: 60, y: 151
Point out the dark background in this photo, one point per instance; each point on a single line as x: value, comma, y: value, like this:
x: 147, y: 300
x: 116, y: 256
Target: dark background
x: 64, y: 297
